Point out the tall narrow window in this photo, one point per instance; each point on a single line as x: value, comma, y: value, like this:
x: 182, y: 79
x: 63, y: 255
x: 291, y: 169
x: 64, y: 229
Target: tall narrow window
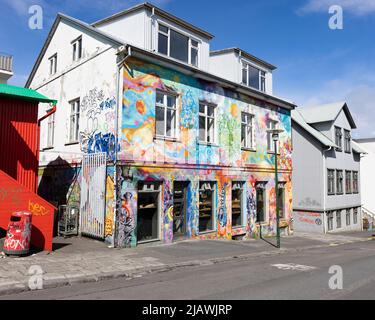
x: 262, y: 81
x: 50, y: 130
x: 348, y: 182
x: 166, y: 115
x: 77, y: 49
x: 338, y: 219
x: 331, y: 181
x: 348, y: 217
x: 355, y: 182
x: 74, y: 120
x: 53, y: 64
x: 206, y: 206
x: 247, y: 132
x: 272, y: 124
x: 330, y: 220
x: 347, y: 138
x: 260, y: 189
x: 338, y: 138
x: 339, y: 181
x: 281, y: 199
x: 237, y: 212
x: 355, y: 215
x: 177, y: 45
x: 206, y: 123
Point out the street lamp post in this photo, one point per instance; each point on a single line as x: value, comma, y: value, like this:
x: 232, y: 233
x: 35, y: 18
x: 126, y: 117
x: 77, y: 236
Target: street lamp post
x: 275, y: 137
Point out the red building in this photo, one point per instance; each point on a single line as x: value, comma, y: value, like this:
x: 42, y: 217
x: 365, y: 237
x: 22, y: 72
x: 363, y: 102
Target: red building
x: 19, y: 157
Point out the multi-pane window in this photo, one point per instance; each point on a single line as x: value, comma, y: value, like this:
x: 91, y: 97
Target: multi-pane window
x: 281, y: 199
x: 176, y: 45
x: 272, y: 124
x: 206, y: 206
x: 260, y: 189
x: 74, y: 120
x: 338, y: 138
x: 247, y: 131
x: 338, y: 219
x: 253, y: 77
x: 206, y: 123
x: 355, y: 215
x: 348, y: 217
x: 355, y: 182
x: 77, y: 49
x: 166, y: 115
x: 237, y: 197
x: 50, y: 130
x: 339, y: 182
x: 53, y: 64
x: 330, y: 220
x: 347, y: 139
x: 331, y: 181
x: 348, y: 181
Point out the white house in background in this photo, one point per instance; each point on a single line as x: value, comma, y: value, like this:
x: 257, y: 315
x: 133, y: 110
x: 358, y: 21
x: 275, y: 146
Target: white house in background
x: 368, y: 179
x: 326, y: 170
x: 6, y: 67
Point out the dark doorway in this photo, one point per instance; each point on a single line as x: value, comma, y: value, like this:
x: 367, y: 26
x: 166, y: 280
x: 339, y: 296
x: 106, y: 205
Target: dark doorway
x: 180, y: 189
x: 148, y: 222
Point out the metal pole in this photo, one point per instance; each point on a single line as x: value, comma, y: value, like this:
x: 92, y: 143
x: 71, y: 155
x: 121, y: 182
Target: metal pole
x: 277, y: 203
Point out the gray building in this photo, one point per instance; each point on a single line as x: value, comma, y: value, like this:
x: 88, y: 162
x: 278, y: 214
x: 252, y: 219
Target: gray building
x: 326, y: 170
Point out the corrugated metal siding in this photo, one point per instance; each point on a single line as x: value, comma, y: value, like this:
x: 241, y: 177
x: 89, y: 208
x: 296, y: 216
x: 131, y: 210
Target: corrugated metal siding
x: 19, y: 140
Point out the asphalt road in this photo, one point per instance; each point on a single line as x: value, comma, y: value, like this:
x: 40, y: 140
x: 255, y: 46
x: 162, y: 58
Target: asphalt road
x: 298, y: 275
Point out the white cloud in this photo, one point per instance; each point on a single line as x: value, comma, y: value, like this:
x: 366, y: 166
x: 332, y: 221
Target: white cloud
x: 356, y: 7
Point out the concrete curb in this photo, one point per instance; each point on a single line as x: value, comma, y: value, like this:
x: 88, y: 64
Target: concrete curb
x: 57, y: 280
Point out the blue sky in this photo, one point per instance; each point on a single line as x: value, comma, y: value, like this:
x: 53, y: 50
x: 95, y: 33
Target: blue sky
x: 315, y: 64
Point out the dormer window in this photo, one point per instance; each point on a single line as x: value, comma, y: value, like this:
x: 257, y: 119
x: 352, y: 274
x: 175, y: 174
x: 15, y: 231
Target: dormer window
x: 77, y: 48
x: 347, y: 141
x: 338, y: 138
x: 177, y: 45
x: 253, y: 77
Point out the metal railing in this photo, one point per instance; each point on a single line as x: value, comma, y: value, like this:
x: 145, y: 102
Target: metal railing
x: 6, y: 62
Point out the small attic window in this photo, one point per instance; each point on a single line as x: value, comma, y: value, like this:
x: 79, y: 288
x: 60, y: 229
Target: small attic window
x: 53, y: 64
x: 77, y: 48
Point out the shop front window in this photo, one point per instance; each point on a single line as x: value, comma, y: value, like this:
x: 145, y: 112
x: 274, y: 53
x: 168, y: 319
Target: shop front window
x: 261, y: 201
x: 206, y: 206
x: 237, y: 212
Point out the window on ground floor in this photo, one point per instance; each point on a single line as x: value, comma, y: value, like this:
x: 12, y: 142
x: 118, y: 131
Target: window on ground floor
x: 237, y: 210
x: 338, y: 219
x: 281, y: 199
x: 261, y: 201
x: 206, y: 206
x: 355, y: 215
x: 330, y: 220
x: 148, y: 211
x: 348, y: 217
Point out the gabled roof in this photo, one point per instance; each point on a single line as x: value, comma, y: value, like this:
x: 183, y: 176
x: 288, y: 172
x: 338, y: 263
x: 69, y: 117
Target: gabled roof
x: 23, y: 93
x: 357, y: 148
x: 76, y: 22
x: 158, y: 11
x: 326, y: 113
x: 245, y: 55
x: 299, y: 119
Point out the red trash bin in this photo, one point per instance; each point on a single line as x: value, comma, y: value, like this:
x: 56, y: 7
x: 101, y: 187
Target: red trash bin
x: 17, y: 240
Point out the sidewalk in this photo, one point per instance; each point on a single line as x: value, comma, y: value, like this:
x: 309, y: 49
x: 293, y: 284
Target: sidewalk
x: 77, y: 260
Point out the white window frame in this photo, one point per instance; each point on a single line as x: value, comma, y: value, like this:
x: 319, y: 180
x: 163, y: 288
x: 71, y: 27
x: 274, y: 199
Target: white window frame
x: 190, y: 46
x: 206, y: 116
x: 339, y: 181
x: 75, y: 107
x: 50, y: 130
x: 77, y: 49
x: 355, y: 186
x: 338, y: 138
x: 333, y: 176
x: 262, y: 74
x: 248, y: 145
x: 53, y: 64
x: 270, y: 142
x: 165, y: 108
x: 347, y: 141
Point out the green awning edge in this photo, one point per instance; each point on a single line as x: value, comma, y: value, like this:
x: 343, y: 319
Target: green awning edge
x: 23, y: 93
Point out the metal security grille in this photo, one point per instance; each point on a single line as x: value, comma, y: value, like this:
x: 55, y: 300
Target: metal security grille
x: 92, y: 209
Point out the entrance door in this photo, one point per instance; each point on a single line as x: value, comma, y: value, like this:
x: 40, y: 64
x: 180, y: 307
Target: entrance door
x: 148, y: 222
x: 179, y: 207
x: 92, y: 207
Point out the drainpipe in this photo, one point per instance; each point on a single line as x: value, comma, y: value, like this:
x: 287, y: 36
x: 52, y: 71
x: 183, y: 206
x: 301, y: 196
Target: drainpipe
x: 52, y: 111
x: 119, y: 90
x: 325, y: 187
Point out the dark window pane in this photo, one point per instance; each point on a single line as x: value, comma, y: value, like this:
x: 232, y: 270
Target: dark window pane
x: 163, y: 28
x: 210, y: 131
x: 244, y: 75
x: 202, y: 128
x: 253, y: 77
x: 194, y: 57
x: 160, y: 121
x: 179, y: 46
x: 163, y: 44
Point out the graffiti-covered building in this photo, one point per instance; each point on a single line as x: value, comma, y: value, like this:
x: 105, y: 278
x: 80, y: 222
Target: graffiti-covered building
x: 158, y: 138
